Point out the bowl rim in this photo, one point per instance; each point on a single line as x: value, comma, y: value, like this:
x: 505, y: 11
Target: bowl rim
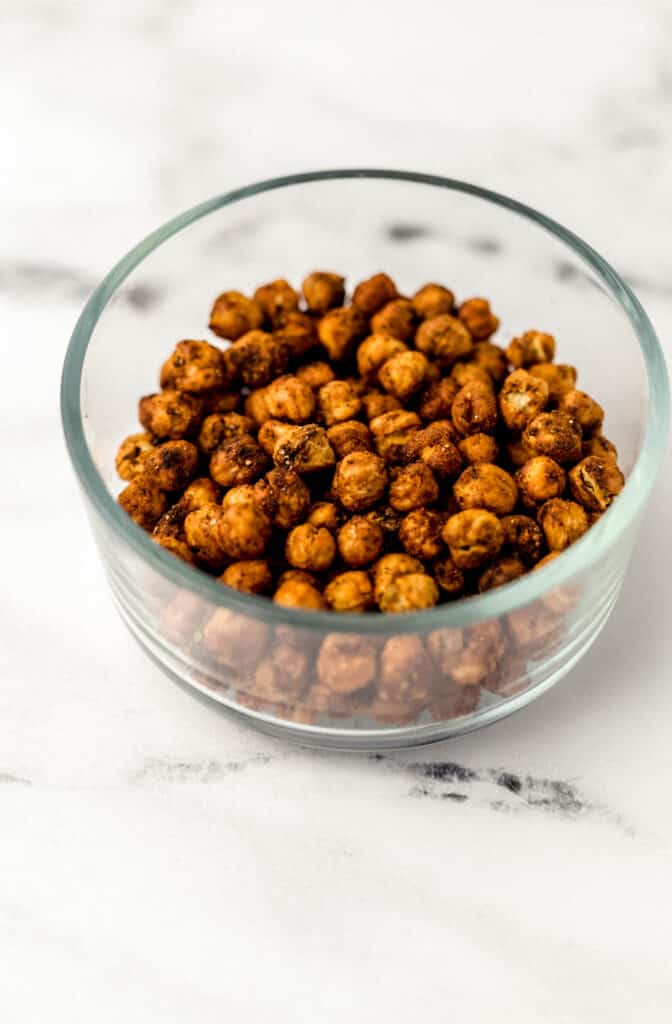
x: 585, y: 552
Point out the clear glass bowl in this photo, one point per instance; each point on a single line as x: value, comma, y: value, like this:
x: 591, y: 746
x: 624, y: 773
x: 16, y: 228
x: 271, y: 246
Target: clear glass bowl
x: 285, y: 670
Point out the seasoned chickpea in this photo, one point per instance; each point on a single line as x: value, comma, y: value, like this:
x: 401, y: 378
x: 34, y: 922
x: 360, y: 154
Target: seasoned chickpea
x: 299, y: 594
x: 409, y: 593
x: 374, y: 352
x: 436, y: 401
x: 584, y: 409
x: 433, y: 300
x: 340, y: 329
x: 256, y: 407
x: 346, y: 662
x: 350, y: 592
x: 283, y: 497
x: 531, y: 347
x: 474, y: 409
x: 310, y: 547
x: 271, y: 432
x: 600, y: 446
x: 360, y: 480
x: 389, y: 520
x: 375, y: 404
x: 234, y: 314
x: 288, y: 398
x: 594, y: 482
x: 171, y: 465
x: 521, y: 399
x: 220, y: 400
x: 131, y: 455
x: 360, y: 541
x: 243, y: 494
x: 220, y: 427
x: 390, y: 567
x: 396, y: 318
x: 486, y: 486
x: 517, y: 452
x: 391, y: 432
x: 555, y: 434
x: 305, y: 450
x: 257, y: 358
x: 468, y: 373
x: 235, y: 640
x: 315, y: 374
x: 473, y: 537
x: 349, y: 436
x: 176, y: 546
x: 326, y: 514
x: 404, y: 374
x: 445, y: 339
x: 240, y: 461
x: 478, y: 318
x: 445, y: 647
x: 143, y: 501
x: 195, y: 367
x: 449, y: 576
x: 539, y: 480
x: 434, y: 445
x: 503, y: 570
x: 252, y: 577
x: 200, y: 492
x: 276, y: 298
x: 299, y: 576
x: 201, y: 531
x: 522, y: 537
x: 405, y: 674
x: 371, y: 295
x: 170, y: 415
x: 420, y: 533
x: 491, y: 358
x: 281, y: 677
x: 559, y: 378
x: 323, y: 291
x: 483, y: 649
x: 244, y: 531
x: 295, y: 333
x: 563, y: 522
x: 478, y: 448
x: 171, y: 523
x: 413, y: 486
x: 338, y: 401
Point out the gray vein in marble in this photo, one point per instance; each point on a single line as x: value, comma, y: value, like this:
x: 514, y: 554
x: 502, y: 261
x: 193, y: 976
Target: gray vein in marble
x: 168, y: 770
x: 7, y: 779
x: 19, y: 279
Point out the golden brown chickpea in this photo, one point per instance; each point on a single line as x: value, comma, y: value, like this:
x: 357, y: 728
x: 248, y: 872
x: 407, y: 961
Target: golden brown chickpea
x: 170, y: 415
x: 340, y: 329
x: 323, y: 291
x: 449, y: 577
x: 491, y: 358
x: 360, y: 480
x: 298, y: 576
x: 420, y: 533
x: 288, y: 398
x: 433, y: 300
x: 299, y: 594
x: 350, y: 592
x: 305, y: 450
x: 346, y: 662
x: 195, y: 367
x: 371, y: 295
x: 234, y: 314
x: 253, y: 577
x: 349, y: 436
x: 338, y: 401
x: 243, y: 494
x: 310, y: 547
x: 200, y: 492
x: 271, y: 432
x: 600, y: 446
x: 220, y: 400
x: 539, y: 480
x: 474, y: 537
x: 256, y: 407
x: 220, y: 427
x: 276, y: 298
x: 522, y: 537
x: 521, y: 399
x: 478, y: 448
x: 176, y: 546
x: 405, y: 673
x: 389, y: 520
x: 503, y: 570
x: 531, y: 347
x: 240, y: 461
x: 584, y: 409
x: 468, y: 373
x: 436, y: 401
x: 517, y: 452
x: 235, y: 640
x: 360, y: 541
x: 171, y: 523
x: 483, y: 648
x: 374, y: 352
x: 131, y: 455
x: 283, y: 497
x: 391, y: 432
x: 445, y: 647
x: 404, y: 374
x: 170, y: 465
x: 375, y: 404
x: 410, y: 593
x: 389, y: 568
x: 326, y: 514
x: 532, y: 626
x: 486, y: 486
x: 414, y: 485
x: 282, y: 676
x: 474, y: 409
x: 558, y: 376
x: 434, y: 445
x: 555, y: 434
x: 594, y: 482
x: 396, y: 318
x: 143, y: 501
x: 201, y: 530
x: 295, y: 333
x: 478, y: 318
x: 315, y: 374
x: 244, y: 531
x: 257, y: 358
x: 563, y: 522
x: 445, y: 339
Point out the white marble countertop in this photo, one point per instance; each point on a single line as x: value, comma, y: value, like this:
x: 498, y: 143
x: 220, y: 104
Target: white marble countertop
x: 160, y: 863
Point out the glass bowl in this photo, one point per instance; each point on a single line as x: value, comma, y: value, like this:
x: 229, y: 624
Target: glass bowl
x: 316, y: 677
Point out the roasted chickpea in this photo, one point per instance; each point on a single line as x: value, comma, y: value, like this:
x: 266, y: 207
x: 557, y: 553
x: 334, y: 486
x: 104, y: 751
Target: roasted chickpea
x: 600, y: 446
x: 233, y: 314
x: 325, y: 513
x: 405, y: 673
x: 240, y: 461
x: 531, y: 347
x: 414, y: 485
x: 305, y: 450
x: 235, y: 640
x: 340, y: 329
x: 244, y: 531
x: 374, y: 352
x: 486, y: 486
x: 315, y: 374
x: 310, y: 547
x: 491, y: 358
x: 521, y: 399
x: 433, y: 300
x: 522, y: 537
x: 474, y: 409
x: 220, y: 400
x: 346, y: 662
x: 349, y: 436
x: 517, y: 452
x: 350, y: 592
x: 170, y: 415
x: 445, y: 339
x: 220, y: 427
x: 271, y: 432
x: 171, y: 523
x: 252, y: 577
x: 143, y: 501
x: 503, y: 570
x: 371, y: 295
x: 257, y: 358
x: 584, y: 409
x: 283, y: 497
x: 276, y: 298
x: 131, y: 455
x: 338, y: 401
x: 420, y: 533
x: 375, y: 404
x: 243, y: 494
x: 478, y: 448
x: 539, y: 480
x: 323, y: 291
x: 404, y: 374
x: 299, y: 594
x: 434, y: 445
x: 281, y: 677
x: 256, y: 407
x: 195, y: 367
x: 445, y: 647
x: 176, y: 546
x: 474, y: 536
x: 295, y: 333
x: 360, y: 541
x: 449, y: 577
x: 478, y: 318
x: 201, y: 531
x: 396, y: 318
x: 436, y: 401
x: 288, y: 398
x: 389, y: 520
x: 171, y: 465
x: 555, y: 434
x: 299, y: 576
x: 409, y: 593
x: 563, y: 522
x: 559, y: 378
x: 594, y: 482
x: 468, y: 373
x: 389, y: 568
x: 391, y: 432
x: 483, y: 649
x: 360, y: 480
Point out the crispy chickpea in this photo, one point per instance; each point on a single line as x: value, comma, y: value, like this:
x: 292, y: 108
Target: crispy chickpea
x: 409, y: 593
x: 299, y: 576
x: 478, y: 318
x: 433, y: 300
x: 474, y: 536
x: 559, y: 378
x: 299, y: 594
x: 531, y: 347
x: 244, y: 531
x: 350, y: 592
x: 474, y: 409
x: 326, y: 514
x: 396, y: 318
x: 283, y: 497
x: 256, y: 407
x: 201, y: 531
x: 600, y: 446
x: 282, y: 676
x: 349, y: 436
x: 338, y: 401
x: 360, y: 480
x: 420, y: 533
x: 405, y: 675
x: 240, y: 461
x: 445, y: 339
x: 171, y: 523
x: 478, y: 659
x: 595, y: 482
x: 310, y: 547
x: 468, y: 373
x: 131, y: 455
x: 315, y: 374
x: 233, y: 314
x: 195, y: 367
x: 371, y: 295
x: 271, y: 432
x: 200, y: 492
x: 445, y: 647
x: 503, y: 570
x: 220, y: 427
x: 323, y: 291
x: 434, y: 445
x: 252, y: 577
x: 374, y: 352
x: 288, y: 398
x: 532, y: 626
x: 276, y: 298
x: 389, y: 568
x: 360, y: 541
x: 235, y: 640
x: 404, y: 374
x: 563, y: 522
x: 391, y: 432
x: 243, y: 494
x: 176, y: 546
x: 346, y: 662
x: 220, y: 400
x: 436, y: 401
x: 491, y: 358
x: 584, y: 409
x: 305, y: 450
x: 143, y: 501
x: 522, y: 537
x: 555, y: 434
x: 340, y: 329
x: 486, y: 486
x: 517, y: 452
x: 539, y: 480
x: 449, y: 577
x: 478, y: 448
x: 170, y: 465
x: 295, y: 333
x: 375, y: 404
x: 414, y: 485
x: 521, y: 399
x: 257, y: 358
x: 170, y: 415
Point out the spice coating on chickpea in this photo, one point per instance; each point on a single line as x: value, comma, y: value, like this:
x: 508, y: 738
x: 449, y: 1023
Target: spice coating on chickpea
x: 176, y: 546
x: 338, y: 401
x: 478, y: 318
x: 283, y: 497
x: 433, y: 300
x: 409, y: 593
x: 391, y: 432
x: 218, y: 427
x: 296, y: 593
x: 371, y: 295
x: 201, y: 530
x: 539, y: 480
x: 444, y: 339
x: 233, y: 314
x: 374, y: 352
x: 473, y: 537
x: 256, y: 358
x: 449, y: 576
x: 360, y: 541
x: 556, y: 434
x: 143, y: 501
x: 339, y: 330
x: 559, y: 378
x: 350, y: 592
x: 170, y: 415
x: 486, y: 486
x: 503, y: 570
x: 323, y: 290
x: 389, y: 568
x: 239, y: 461
x: 595, y: 482
x: 375, y: 404
x: 434, y: 445
x: 325, y: 513
x: 289, y: 398
x: 478, y: 448
x: 244, y: 531
x: 414, y: 485
x: 310, y: 547
x: 171, y: 465
x: 271, y: 432
x: 252, y: 577
x: 420, y: 533
x: 523, y: 537
x: 474, y: 409
x: 531, y: 347
x: 276, y: 297
x: 491, y: 358
x: 403, y: 374
x: 131, y: 455
x: 563, y: 522
x: 584, y: 409
x: 521, y: 399
x: 346, y: 663
x: 360, y: 480
x: 305, y: 450
x: 436, y: 401
x: 315, y: 374
x: 349, y: 436
x: 396, y: 318
x: 195, y: 367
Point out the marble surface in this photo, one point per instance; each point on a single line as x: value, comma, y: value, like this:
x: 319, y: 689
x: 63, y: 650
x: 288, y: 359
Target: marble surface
x: 161, y: 863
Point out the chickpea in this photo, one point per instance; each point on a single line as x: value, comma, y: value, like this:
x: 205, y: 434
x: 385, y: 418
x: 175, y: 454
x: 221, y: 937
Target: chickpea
x: 391, y: 431
x: 414, y: 485
x: 433, y: 300
x: 396, y: 318
x: 253, y: 577
x: 220, y: 427
x: 445, y: 339
x: 455, y: 702
x: 233, y: 315
x: 539, y: 480
x: 131, y: 455
x: 276, y: 298
x: 559, y: 378
x: 594, y: 482
x: 175, y: 546
x: 310, y: 547
x: 240, y: 461
x: 449, y: 577
x: 486, y: 486
x: 474, y: 536
x: 326, y: 514
x: 315, y: 374
x: 340, y: 329
x: 531, y: 347
x: 171, y: 523
x: 420, y: 533
x: 299, y: 576
x: 436, y: 401
x: 375, y: 404
x: 478, y: 318
x: 374, y: 352
x: 202, y: 491
x: 235, y: 640
x: 371, y: 295
x: 295, y: 334
x: 257, y: 358
x: 389, y: 521
x: 409, y: 593
x: 244, y: 531
x: 474, y: 409
x: 143, y: 501
x: 282, y: 676
x: 298, y: 594
x: 220, y: 399
x: 171, y: 464
x: 346, y: 662
x: 349, y: 436
x: 404, y: 374
x: 521, y: 399
x: 305, y: 450
x: 256, y: 407
x: 584, y: 409
x: 468, y: 373
x: 517, y: 452
x: 283, y: 497
x: 523, y: 538
x: 563, y: 522
x: 350, y: 592
x: 323, y: 291
x: 271, y: 432
x: 434, y: 445
x: 478, y: 448
x: 360, y: 541
x: 555, y: 434
x: 389, y: 568
x: 600, y: 446
x: 170, y: 415
x: 243, y: 494
x: 360, y: 480
x: 201, y: 531
x: 288, y: 398
x: 338, y: 401
x: 479, y: 657
x: 503, y: 570
x: 405, y: 674
x: 195, y: 367
x: 445, y: 646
